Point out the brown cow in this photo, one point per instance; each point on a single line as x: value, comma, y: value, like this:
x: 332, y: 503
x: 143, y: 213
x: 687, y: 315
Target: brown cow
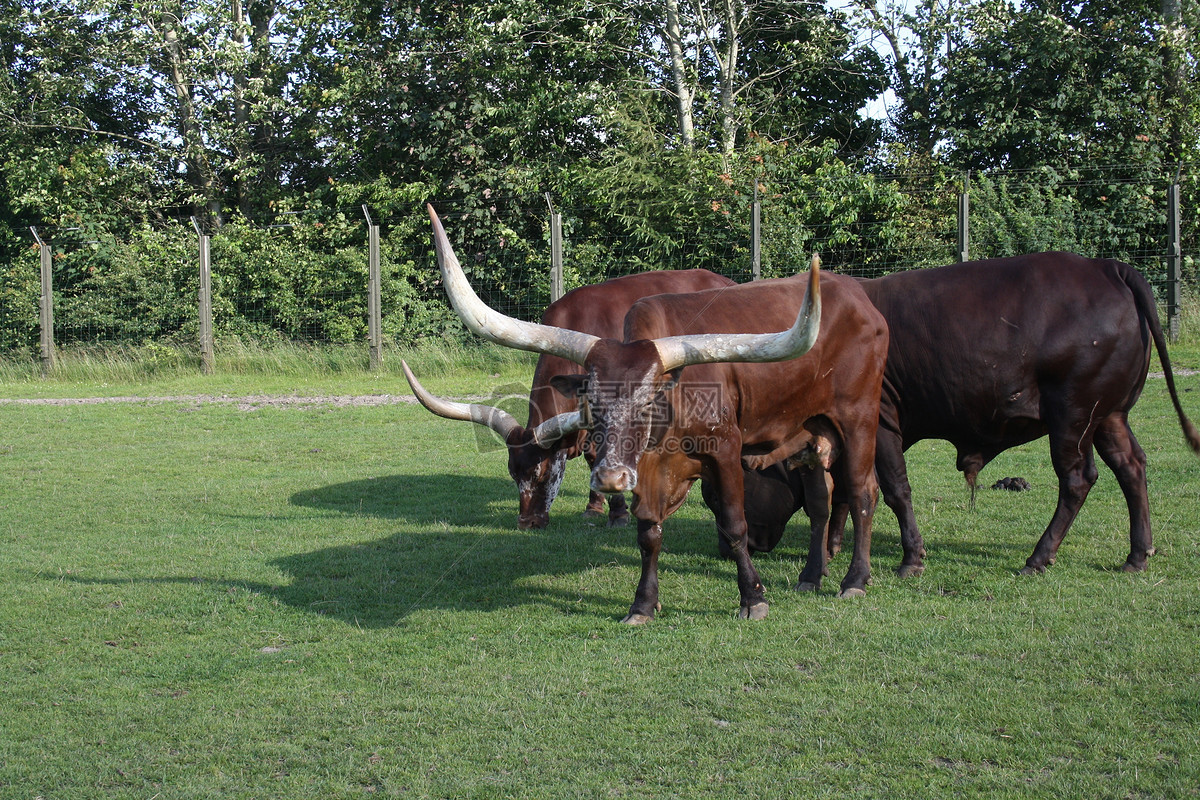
x: 698, y: 378
x: 537, y: 466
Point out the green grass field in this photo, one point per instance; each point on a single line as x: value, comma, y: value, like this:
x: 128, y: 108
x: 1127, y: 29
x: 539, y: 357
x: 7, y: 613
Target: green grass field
x: 317, y: 600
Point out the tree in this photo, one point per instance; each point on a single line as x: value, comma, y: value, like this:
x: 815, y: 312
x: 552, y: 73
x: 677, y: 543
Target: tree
x: 918, y: 38
x: 737, y: 66
x: 192, y: 101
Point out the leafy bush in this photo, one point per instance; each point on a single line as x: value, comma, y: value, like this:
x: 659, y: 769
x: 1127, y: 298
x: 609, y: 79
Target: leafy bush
x: 137, y: 290
x: 20, y: 288
x: 624, y: 212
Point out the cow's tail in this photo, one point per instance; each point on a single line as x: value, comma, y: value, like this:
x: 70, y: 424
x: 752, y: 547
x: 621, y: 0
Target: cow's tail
x: 1143, y: 298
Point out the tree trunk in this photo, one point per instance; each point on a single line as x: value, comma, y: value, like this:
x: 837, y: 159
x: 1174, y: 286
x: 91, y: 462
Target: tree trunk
x: 684, y: 92
x: 241, y: 112
x: 727, y: 61
x: 199, y: 173
x: 1175, y: 35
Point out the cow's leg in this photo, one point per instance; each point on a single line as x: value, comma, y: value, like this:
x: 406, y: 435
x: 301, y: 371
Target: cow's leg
x: 1119, y: 449
x: 667, y: 495
x: 595, y: 503
x: 837, y: 525
x: 862, y: 491
x: 1075, y: 464
x: 818, y: 486
x: 897, y: 493
x: 731, y: 525
x: 595, y: 506
x: 618, y: 511
x: 645, y: 599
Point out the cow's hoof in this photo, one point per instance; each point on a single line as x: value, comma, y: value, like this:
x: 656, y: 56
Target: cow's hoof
x: 618, y: 522
x: 636, y: 619
x: 852, y: 591
x: 1029, y: 569
x: 1135, y: 564
x: 807, y: 586
x: 592, y: 513
x: 756, y: 611
x: 910, y: 570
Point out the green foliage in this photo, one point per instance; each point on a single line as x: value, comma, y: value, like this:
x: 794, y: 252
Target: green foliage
x: 298, y: 282
x: 806, y: 78
x: 137, y: 290
x: 20, y: 290
x: 1013, y: 217
x: 1088, y: 77
x: 1085, y: 211
x: 694, y: 209
x: 118, y: 122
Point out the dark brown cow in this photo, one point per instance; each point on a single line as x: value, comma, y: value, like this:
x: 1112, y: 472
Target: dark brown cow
x: 773, y: 496
x: 992, y: 354
x: 537, y: 468
x: 698, y: 378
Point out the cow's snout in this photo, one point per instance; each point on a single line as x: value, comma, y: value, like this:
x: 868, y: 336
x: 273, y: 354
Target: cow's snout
x: 533, y: 521
x: 613, y: 479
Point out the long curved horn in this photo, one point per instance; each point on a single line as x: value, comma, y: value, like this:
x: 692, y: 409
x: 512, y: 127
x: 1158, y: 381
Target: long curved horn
x: 491, y: 324
x: 555, y: 428
x: 497, y: 419
x: 707, y: 348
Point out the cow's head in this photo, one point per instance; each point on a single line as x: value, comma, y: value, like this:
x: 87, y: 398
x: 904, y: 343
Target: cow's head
x: 622, y: 393
x: 536, y: 462
x: 624, y: 402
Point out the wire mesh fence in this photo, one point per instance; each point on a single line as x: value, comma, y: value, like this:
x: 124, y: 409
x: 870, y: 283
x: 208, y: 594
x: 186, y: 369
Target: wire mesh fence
x: 305, y: 276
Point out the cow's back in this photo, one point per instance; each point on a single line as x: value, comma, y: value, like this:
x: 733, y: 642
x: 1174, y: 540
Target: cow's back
x: 599, y: 309
x: 976, y: 346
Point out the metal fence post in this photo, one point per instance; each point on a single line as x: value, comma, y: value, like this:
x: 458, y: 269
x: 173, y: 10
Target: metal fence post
x: 205, y: 298
x: 46, y: 306
x: 557, y: 289
x: 1174, y: 260
x: 374, y: 315
x: 964, y: 217
x: 756, y: 236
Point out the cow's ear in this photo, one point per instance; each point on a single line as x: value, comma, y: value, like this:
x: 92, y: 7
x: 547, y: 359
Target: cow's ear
x: 570, y: 385
x: 670, y: 380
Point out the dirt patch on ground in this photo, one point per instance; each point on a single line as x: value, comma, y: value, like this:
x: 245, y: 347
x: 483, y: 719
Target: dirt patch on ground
x: 252, y: 402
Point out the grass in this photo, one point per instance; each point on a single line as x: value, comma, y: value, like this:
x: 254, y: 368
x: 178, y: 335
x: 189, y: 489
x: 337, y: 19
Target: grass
x: 247, y: 367
x: 324, y: 602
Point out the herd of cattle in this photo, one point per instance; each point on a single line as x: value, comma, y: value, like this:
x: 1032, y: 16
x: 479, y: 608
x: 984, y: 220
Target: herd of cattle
x: 804, y: 392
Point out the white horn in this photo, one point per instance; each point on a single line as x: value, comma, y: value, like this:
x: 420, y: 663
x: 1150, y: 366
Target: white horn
x: 708, y: 348
x: 491, y: 324
x: 557, y: 427
x: 497, y: 419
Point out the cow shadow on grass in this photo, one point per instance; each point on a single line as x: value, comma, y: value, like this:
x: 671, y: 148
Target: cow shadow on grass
x: 455, y: 498
x: 950, y: 544
x: 460, y: 549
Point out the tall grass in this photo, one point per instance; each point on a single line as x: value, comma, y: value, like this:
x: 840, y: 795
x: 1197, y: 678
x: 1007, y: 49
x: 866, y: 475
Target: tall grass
x: 129, y: 364
x: 1189, y: 316
x: 126, y: 363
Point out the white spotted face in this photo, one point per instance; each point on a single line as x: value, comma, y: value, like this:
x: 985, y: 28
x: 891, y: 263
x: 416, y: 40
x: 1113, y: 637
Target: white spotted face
x: 620, y: 401
x: 538, y: 474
